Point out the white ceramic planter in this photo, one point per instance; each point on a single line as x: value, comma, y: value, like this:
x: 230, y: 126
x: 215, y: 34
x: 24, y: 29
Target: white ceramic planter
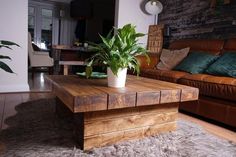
x: 116, y: 81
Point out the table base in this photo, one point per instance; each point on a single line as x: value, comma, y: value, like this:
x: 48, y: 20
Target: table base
x: 101, y: 128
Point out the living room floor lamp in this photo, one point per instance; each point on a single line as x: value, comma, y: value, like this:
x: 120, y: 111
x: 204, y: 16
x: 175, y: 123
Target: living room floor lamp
x: 155, y: 32
x: 154, y: 7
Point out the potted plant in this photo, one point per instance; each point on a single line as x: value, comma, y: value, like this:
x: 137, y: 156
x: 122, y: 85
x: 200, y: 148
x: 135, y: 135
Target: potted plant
x: 118, y: 52
x: 6, y: 44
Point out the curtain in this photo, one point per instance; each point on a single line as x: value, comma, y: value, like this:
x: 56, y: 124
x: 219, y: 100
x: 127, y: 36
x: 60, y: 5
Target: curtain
x: 67, y: 31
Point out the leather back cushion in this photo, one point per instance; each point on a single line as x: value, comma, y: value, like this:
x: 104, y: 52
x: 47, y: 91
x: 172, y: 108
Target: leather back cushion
x: 154, y: 59
x: 204, y: 45
x: 196, y: 62
x: 224, y: 66
x: 230, y: 45
x: 170, y: 58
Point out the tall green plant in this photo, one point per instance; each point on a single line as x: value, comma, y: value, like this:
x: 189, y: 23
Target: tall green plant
x: 8, y: 45
x: 119, y: 51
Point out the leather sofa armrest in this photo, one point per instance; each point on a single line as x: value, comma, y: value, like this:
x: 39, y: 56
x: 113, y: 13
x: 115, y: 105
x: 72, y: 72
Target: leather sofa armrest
x: 154, y: 59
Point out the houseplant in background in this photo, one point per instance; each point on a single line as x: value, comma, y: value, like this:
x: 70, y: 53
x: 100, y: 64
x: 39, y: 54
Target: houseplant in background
x: 118, y: 52
x: 6, y: 44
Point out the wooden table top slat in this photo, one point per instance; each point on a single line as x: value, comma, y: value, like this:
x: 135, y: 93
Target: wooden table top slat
x: 78, y: 95
x: 126, y: 97
x: 84, y: 95
x: 168, y: 93
x: 187, y: 93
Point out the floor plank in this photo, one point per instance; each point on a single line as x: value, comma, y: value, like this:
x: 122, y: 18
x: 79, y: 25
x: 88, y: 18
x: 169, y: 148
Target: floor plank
x: 11, y: 101
x: 46, y: 95
x: 212, y: 128
x: 33, y: 96
x: 2, y: 105
x: 26, y: 97
x: 39, y: 83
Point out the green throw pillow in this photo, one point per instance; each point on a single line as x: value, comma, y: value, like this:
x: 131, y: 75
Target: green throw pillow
x: 196, y: 62
x: 224, y: 66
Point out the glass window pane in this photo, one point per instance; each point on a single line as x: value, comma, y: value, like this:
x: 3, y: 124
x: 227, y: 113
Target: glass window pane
x: 31, y: 31
x: 46, y: 23
x: 46, y: 40
x: 46, y: 33
x: 31, y: 22
x: 47, y: 12
x: 31, y: 10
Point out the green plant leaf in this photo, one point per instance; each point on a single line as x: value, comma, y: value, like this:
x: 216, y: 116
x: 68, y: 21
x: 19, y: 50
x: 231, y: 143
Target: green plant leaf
x: 110, y: 33
x: 5, y: 57
x: 9, y: 43
x: 6, y: 44
x: 8, y: 47
x: 88, y: 71
x: 138, y: 35
x: 119, y: 50
x: 5, y: 67
x: 105, y: 41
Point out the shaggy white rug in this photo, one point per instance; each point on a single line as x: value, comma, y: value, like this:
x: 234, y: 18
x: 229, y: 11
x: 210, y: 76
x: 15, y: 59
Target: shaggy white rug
x: 35, y: 131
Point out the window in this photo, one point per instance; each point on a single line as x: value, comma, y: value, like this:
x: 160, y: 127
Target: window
x: 40, y: 21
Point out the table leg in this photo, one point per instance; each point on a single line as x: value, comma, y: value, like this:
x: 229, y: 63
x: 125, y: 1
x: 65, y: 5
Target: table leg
x: 76, y: 120
x: 66, y: 67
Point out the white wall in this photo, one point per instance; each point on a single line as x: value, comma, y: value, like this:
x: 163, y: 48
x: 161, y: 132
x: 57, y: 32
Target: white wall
x: 13, y: 27
x: 129, y: 11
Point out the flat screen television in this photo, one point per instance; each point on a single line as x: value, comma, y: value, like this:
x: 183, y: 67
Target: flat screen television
x: 93, y: 17
x: 80, y: 9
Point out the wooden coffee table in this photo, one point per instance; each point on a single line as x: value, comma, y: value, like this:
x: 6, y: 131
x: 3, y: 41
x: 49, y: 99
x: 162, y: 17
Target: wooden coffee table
x: 104, y: 115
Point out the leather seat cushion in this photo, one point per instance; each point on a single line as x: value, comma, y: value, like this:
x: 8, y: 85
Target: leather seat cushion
x: 203, y: 45
x: 214, y: 86
x: 150, y: 73
x: 165, y: 75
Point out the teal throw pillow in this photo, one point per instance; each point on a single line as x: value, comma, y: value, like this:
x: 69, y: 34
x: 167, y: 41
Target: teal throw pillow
x: 196, y: 62
x: 224, y: 66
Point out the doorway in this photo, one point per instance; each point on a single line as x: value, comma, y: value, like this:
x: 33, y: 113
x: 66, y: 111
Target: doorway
x: 40, y: 24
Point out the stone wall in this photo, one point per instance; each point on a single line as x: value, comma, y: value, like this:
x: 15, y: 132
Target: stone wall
x: 196, y: 19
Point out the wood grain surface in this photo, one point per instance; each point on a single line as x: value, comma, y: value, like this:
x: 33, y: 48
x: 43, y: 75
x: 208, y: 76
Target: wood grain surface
x: 111, y: 126
x: 104, y: 115
x: 85, y: 95
x: 155, y: 38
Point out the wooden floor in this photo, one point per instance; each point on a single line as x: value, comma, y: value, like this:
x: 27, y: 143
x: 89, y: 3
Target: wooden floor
x: 38, y: 83
x: 41, y: 90
x: 8, y: 102
x: 212, y: 128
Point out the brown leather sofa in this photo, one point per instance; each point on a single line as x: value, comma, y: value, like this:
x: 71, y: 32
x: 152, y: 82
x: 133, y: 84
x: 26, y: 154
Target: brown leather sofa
x: 217, y: 100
